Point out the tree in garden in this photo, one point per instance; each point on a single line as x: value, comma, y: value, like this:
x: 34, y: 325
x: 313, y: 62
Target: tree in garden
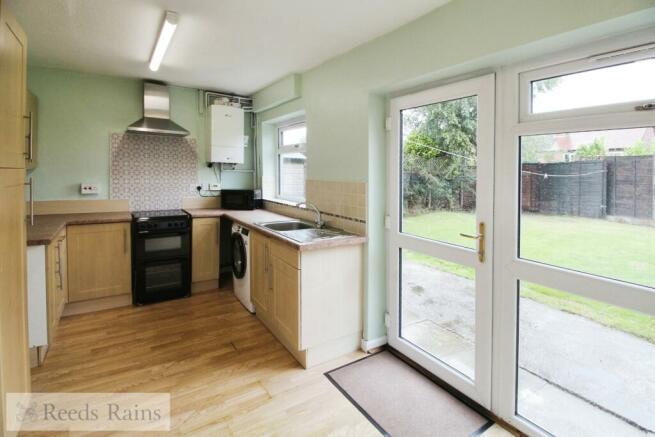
x: 595, y: 150
x: 439, y: 153
x: 640, y: 148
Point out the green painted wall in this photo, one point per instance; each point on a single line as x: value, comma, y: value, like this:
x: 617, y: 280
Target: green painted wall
x: 345, y: 97
x: 78, y: 111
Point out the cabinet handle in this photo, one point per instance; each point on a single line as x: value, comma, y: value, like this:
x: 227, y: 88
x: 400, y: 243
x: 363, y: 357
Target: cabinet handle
x: 30, y: 183
x: 266, y: 258
x: 125, y: 241
x: 61, y: 280
x: 30, y: 141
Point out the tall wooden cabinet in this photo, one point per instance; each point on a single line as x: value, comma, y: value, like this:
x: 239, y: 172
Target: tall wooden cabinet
x: 99, y: 261
x: 14, y: 357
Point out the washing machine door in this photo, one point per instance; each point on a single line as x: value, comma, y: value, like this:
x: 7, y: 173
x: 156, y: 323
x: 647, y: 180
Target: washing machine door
x: 239, y: 256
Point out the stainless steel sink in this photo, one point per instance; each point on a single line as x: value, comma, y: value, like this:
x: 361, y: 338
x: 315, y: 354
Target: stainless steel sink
x: 302, y: 232
x: 292, y: 225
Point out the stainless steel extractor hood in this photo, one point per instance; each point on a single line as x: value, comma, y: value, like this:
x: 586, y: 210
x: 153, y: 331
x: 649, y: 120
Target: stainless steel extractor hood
x: 156, y: 113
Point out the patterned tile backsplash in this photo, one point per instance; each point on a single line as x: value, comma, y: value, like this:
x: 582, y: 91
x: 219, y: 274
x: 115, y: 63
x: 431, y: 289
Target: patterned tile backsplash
x: 152, y: 172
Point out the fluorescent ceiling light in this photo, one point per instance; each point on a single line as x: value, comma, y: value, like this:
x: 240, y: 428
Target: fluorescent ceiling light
x: 165, y: 35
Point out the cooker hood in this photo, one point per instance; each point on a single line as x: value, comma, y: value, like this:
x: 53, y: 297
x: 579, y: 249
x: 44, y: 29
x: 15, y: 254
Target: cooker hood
x: 156, y: 113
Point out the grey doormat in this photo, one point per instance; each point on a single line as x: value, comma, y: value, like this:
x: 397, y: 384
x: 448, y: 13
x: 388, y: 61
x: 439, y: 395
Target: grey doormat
x: 399, y: 401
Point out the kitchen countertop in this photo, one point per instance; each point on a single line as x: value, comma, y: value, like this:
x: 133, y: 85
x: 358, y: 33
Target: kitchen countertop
x: 46, y: 227
x: 249, y: 218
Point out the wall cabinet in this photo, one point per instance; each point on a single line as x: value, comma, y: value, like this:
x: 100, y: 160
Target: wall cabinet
x: 99, y: 261
x: 205, y: 243
x: 310, y: 300
x: 13, y: 76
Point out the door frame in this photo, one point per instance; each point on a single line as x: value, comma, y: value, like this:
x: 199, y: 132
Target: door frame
x: 484, y: 87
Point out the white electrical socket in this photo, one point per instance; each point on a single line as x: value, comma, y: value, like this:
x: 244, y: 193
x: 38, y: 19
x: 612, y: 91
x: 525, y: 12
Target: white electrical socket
x: 88, y: 189
x: 205, y: 186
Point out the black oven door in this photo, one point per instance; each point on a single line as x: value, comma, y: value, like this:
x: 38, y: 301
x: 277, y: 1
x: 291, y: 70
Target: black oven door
x: 160, y: 280
x: 161, y: 245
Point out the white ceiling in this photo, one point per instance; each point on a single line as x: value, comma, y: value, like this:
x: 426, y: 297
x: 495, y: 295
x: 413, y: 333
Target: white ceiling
x: 228, y: 45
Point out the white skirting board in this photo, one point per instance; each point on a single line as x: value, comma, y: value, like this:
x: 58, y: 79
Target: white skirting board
x: 367, y: 345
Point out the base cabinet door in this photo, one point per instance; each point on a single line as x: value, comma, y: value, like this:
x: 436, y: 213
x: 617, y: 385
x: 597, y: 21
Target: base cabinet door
x: 56, y: 282
x: 286, y: 298
x: 260, y: 284
x: 206, y: 240
x: 98, y: 261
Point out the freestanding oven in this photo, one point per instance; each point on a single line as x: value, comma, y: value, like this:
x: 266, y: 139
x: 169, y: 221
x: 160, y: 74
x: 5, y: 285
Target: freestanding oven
x: 161, y: 256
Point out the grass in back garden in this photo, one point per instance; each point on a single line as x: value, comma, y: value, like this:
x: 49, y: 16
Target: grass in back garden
x: 615, y: 250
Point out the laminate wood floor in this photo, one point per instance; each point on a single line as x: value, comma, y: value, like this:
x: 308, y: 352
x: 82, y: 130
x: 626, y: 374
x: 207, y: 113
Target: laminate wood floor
x: 226, y: 373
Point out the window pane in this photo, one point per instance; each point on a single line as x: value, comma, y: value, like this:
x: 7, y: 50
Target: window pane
x: 292, y: 176
x: 439, y: 154
x: 438, y: 309
x: 587, y: 202
x: 295, y: 135
x: 603, y: 86
x: 585, y: 368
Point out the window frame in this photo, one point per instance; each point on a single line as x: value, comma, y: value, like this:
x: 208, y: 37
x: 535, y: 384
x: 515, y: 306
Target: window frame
x: 282, y: 150
x: 515, y: 121
x: 590, y: 62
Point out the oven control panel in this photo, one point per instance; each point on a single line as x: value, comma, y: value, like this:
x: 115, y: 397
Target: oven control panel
x: 161, y: 225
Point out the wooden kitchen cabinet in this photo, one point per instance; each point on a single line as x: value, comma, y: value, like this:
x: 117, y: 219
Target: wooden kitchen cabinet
x: 286, y: 292
x: 310, y: 300
x: 205, y: 243
x: 14, y: 344
x: 261, y: 286
x: 99, y: 261
x: 14, y: 355
x: 56, y: 281
x: 13, y: 77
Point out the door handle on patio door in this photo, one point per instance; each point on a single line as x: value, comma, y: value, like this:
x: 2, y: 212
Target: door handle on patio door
x: 480, y: 237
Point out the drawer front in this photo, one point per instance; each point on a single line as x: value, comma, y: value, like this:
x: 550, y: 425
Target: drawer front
x: 286, y: 253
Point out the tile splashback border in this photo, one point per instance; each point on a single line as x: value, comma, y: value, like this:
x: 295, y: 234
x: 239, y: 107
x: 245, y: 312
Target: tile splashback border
x: 342, y: 204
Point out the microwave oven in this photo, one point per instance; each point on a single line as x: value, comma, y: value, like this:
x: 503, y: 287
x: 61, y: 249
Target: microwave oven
x: 241, y: 199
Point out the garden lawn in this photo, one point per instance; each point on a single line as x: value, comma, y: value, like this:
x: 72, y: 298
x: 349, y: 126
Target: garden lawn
x: 616, y: 250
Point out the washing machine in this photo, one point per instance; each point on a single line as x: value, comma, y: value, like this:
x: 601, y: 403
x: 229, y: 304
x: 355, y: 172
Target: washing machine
x: 241, y: 265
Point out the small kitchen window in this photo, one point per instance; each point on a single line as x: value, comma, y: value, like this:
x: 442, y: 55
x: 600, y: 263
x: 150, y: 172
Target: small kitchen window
x: 291, y: 161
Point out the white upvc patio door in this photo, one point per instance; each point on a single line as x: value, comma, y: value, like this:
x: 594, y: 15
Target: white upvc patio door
x: 440, y: 241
